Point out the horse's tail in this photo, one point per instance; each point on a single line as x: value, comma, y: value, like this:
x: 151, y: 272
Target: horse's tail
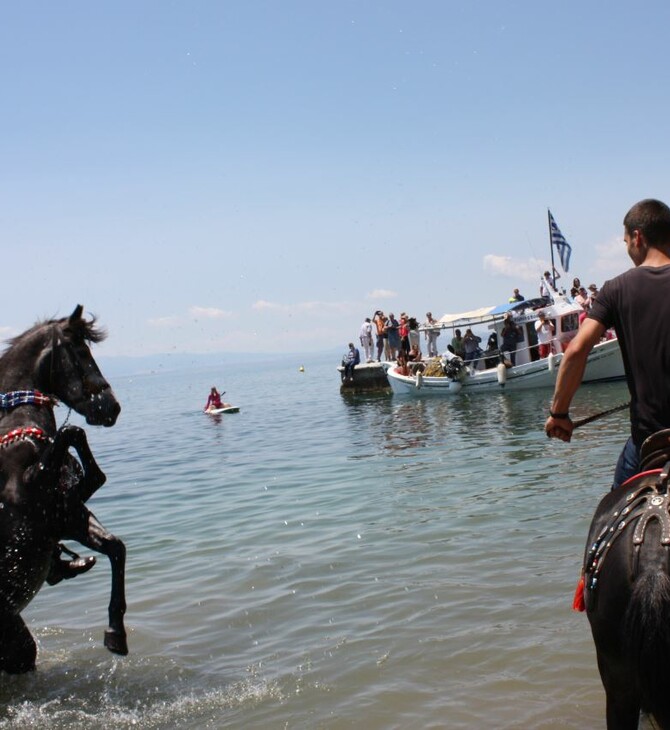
x: 647, y: 636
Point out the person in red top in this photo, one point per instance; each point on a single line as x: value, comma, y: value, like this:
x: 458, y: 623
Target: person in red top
x: 213, y: 400
x: 404, y: 333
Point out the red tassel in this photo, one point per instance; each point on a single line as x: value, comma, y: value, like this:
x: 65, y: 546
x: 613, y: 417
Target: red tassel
x: 578, y: 601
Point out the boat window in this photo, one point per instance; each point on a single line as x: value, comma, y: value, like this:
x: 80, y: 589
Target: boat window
x: 570, y: 322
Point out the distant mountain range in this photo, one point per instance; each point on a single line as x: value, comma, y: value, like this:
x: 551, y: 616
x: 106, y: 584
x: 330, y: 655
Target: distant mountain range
x: 123, y: 365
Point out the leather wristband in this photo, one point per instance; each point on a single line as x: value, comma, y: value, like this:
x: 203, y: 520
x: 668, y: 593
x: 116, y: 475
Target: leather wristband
x: 559, y: 415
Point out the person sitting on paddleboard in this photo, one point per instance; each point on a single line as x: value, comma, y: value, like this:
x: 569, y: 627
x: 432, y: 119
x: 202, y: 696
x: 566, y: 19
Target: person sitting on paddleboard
x: 214, y: 400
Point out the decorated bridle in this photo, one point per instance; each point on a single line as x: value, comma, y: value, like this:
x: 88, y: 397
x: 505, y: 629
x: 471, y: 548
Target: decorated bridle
x: 15, y: 398
x: 22, y: 434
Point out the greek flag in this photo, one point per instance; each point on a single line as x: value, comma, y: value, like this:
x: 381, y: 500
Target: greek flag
x: 562, y: 246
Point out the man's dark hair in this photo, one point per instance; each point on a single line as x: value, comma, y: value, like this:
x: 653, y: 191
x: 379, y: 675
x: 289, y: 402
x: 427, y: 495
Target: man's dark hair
x: 652, y: 218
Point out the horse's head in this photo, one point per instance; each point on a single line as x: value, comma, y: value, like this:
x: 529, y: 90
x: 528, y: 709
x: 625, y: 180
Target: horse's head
x: 66, y: 369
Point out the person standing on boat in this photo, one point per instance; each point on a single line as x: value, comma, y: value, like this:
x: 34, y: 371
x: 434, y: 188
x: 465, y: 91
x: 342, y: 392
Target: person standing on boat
x: 583, y: 299
x: 516, y: 297
x: 431, y: 334
x: 637, y: 305
x: 392, y: 331
x: 471, y: 344
x: 458, y: 345
x: 365, y: 336
x: 547, y: 284
x: 404, y: 333
x: 510, y: 337
x: 380, y: 325
x: 545, y: 334
x: 414, y: 336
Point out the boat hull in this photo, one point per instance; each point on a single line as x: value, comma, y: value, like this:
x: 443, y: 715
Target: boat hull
x: 604, y: 364
x: 422, y: 386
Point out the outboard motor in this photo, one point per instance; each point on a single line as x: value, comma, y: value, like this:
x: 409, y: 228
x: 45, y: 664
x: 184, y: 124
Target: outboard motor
x: 454, y: 368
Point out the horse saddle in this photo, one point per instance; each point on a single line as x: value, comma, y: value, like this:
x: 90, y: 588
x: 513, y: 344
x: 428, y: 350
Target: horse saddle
x: 655, y: 451
x: 643, y: 499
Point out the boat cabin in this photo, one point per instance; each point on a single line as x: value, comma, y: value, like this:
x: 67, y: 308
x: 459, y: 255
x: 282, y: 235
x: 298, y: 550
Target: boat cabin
x: 487, y: 323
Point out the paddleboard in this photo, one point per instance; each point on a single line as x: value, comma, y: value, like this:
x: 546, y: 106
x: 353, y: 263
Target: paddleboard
x: 219, y: 411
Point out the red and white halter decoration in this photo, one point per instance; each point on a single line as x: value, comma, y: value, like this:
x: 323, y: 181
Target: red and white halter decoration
x: 15, y: 398
x: 21, y: 434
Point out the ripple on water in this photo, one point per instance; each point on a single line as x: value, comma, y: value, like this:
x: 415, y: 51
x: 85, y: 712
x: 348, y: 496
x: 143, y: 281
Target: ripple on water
x: 324, y: 562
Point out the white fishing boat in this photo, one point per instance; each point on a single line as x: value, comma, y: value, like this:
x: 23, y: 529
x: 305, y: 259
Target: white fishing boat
x: 493, y: 369
x: 519, y: 361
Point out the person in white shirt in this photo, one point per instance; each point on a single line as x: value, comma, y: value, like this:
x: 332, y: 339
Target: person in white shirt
x: 366, y: 338
x: 547, y: 284
x: 431, y: 335
x: 545, y: 334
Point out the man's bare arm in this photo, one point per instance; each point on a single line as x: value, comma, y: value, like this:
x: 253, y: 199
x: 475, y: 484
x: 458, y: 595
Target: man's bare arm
x: 570, y: 374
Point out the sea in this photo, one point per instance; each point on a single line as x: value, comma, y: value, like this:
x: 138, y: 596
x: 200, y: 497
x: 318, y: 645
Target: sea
x: 321, y: 560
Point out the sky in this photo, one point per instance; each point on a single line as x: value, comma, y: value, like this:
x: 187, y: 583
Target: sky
x: 258, y: 177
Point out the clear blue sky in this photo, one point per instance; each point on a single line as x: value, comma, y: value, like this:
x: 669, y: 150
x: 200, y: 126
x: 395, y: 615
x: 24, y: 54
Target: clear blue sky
x: 260, y: 176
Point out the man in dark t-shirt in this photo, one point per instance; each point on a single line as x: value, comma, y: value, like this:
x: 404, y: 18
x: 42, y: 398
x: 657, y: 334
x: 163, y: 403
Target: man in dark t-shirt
x: 637, y: 304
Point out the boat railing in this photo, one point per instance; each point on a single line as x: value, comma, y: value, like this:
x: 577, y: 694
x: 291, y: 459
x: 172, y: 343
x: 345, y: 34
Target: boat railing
x: 558, y: 348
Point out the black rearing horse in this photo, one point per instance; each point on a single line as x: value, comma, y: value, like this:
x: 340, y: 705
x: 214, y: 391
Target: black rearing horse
x: 43, y: 487
x: 627, y: 591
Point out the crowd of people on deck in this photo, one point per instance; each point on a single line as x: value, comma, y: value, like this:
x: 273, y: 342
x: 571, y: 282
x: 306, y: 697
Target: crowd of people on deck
x: 399, y: 339
x: 578, y: 293
x: 395, y: 339
x: 388, y: 336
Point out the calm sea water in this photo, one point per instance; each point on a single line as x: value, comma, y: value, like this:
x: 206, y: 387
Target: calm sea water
x: 320, y: 561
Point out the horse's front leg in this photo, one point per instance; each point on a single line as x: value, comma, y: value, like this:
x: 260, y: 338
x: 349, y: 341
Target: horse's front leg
x: 56, y: 455
x: 94, y: 477
x: 94, y: 536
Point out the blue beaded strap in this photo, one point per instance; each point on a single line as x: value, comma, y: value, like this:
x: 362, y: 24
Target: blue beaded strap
x: 23, y: 397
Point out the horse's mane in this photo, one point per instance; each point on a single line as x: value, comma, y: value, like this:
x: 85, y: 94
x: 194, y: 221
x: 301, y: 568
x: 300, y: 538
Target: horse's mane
x: 80, y: 328
x: 87, y: 329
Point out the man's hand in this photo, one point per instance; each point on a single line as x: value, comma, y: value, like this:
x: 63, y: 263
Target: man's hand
x: 559, y: 428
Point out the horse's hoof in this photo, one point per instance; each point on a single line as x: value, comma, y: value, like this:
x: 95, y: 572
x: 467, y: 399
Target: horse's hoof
x: 116, y: 642
x: 79, y: 566
x: 66, y: 569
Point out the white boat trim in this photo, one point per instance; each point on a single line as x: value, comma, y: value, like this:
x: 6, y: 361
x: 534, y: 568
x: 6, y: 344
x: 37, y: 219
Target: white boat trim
x: 604, y: 362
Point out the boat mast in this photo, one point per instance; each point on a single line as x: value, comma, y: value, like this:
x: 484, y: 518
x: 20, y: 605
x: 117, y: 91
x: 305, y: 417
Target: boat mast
x: 551, y: 247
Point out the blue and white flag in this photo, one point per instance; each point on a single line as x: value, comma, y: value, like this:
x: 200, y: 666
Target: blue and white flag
x: 562, y: 246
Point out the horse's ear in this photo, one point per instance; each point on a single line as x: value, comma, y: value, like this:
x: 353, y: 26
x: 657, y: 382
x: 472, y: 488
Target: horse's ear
x: 76, y: 315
